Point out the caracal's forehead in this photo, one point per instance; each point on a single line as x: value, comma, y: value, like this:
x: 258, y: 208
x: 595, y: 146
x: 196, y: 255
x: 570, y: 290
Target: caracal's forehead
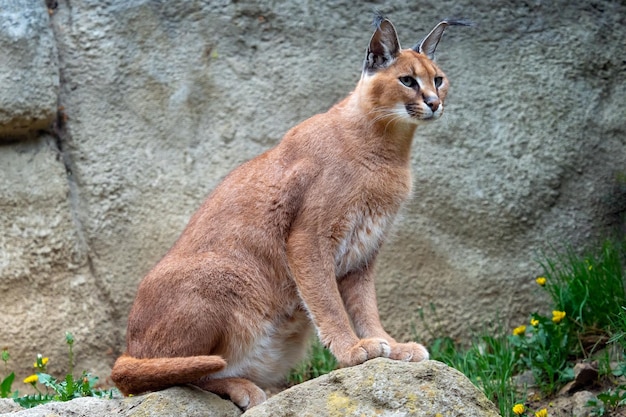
x: 412, y: 63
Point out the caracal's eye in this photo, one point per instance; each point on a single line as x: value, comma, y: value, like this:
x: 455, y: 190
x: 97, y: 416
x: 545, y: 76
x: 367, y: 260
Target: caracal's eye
x: 408, y: 81
x: 438, y: 81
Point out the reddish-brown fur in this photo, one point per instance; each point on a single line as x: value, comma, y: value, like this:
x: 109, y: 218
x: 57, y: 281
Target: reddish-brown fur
x: 287, y: 244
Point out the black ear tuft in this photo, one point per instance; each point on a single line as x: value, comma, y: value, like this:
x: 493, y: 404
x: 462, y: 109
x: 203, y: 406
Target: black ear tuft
x: 378, y: 18
x: 429, y: 44
x: 384, y: 45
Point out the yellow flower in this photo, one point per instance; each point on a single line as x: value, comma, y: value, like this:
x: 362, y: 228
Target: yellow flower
x: 519, y: 409
x: 557, y: 316
x: 41, y: 362
x: 541, y: 413
x: 31, y: 379
x: 541, y: 281
x: 519, y: 330
x: 534, y: 322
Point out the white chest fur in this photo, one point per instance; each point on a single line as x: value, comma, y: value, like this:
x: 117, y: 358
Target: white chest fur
x: 361, y: 240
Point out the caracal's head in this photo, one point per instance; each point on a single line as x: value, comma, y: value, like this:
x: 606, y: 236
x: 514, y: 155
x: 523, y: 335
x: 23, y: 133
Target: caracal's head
x: 403, y: 85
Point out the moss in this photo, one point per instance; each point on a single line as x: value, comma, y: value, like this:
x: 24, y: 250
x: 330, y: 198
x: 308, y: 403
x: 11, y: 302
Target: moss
x: 339, y: 405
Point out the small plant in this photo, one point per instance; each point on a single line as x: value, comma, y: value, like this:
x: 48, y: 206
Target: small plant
x: 608, y: 401
x: 7, y: 382
x: 32, y: 400
x: 545, y: 349
x: 319, y: 362
x: 69, y: 340
x: 64, y: 390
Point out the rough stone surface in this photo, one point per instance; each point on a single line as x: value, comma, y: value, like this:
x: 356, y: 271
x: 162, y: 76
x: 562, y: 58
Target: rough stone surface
x: 580, y: 407
x: 46, y: 284
x: 162, y: 99
x: 8, y: 406
x: 572, y: 406
x: 382, y: 387
x: 173, y: 402
x: 29, y: 70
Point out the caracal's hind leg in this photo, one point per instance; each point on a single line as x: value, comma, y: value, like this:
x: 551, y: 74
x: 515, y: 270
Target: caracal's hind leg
x: 244, y: 393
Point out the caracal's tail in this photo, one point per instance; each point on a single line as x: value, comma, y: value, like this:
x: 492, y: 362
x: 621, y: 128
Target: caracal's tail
x: 134, y: 376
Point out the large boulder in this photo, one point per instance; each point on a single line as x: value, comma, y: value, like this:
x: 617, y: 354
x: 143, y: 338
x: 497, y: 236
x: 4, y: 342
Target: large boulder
x: 382, y: 387
x: 160, y: 100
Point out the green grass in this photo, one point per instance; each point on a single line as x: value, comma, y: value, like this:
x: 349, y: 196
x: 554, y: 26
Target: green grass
x: 489, y: 362
x: 318, y: 362
x: 614, y: 398
x: 618, y: 326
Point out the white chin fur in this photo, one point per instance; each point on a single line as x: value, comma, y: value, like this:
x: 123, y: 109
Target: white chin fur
x: 426, y: 114
x: 437, y: 114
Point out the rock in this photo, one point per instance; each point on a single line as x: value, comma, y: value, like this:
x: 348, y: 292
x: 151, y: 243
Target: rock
x: 579, y: 404
x: 173, y: 402
x: 29, y: 70
x: 8, y: 406
x: 585, y: 374
x: 525, y: 379
x: 162, y: 99
x: 381, y: 387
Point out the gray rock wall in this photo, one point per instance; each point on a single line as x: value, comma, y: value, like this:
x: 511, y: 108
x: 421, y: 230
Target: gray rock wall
x: 29, y: 71
x: 158, y: 100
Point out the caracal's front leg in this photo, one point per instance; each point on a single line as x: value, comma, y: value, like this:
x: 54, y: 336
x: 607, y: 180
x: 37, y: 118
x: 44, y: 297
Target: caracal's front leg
x: 314, y: 273
x: 359, y: 297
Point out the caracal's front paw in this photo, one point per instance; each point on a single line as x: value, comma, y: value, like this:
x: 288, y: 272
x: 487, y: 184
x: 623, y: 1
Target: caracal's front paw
x: 365, y: 349
x: 408, y: 352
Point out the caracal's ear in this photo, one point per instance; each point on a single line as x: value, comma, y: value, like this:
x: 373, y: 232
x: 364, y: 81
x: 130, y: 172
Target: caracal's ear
x: 429, y: 44
x: 384, y: 46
